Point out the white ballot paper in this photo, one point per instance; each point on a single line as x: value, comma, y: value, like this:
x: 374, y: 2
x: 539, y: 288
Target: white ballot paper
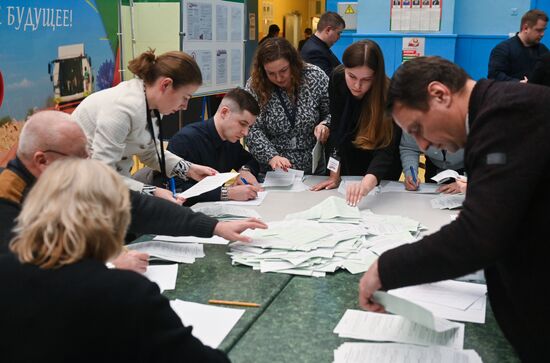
x: 448, y: 174
x: 207, y: 184
x: 163, y: 275
x: 211, y: 324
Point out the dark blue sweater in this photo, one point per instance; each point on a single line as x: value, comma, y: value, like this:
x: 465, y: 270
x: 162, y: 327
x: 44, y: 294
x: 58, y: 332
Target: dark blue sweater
x: 511, y: 61
x: 201, y: 144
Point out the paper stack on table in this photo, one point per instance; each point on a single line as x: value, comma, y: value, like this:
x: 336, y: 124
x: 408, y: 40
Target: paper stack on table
x: 324, y: 238
x: 177, y: 252
x: 214, y: 240
x: 448, y: 201
x: 288, y: 181
x: 401, y: 353
x: 226, y: 212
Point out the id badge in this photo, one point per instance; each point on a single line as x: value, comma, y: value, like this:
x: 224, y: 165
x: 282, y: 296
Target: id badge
x: 293, y: 143
x: 333, y: 164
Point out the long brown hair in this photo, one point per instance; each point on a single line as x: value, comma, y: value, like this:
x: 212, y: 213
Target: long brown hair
x: 178, y: 66
x: 375, y: 128
x: 270, y: 50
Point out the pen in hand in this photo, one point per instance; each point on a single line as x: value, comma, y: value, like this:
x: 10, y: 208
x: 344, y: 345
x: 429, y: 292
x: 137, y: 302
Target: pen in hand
x: 245, y: 182
x: 173, y: 187
x: 413, y: 175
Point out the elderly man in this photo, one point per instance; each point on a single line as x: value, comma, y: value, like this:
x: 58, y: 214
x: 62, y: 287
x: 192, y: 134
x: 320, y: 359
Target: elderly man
x: 504, y: 130
x: 50, y: 135
x: 514, y: 59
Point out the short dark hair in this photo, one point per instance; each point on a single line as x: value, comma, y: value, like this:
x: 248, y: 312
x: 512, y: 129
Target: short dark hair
x: 308, y: 31
x: 332, y: 19
x: 409, y: 84
x: 244, y: 100
x: 531, y: 17
x: 273, y: 28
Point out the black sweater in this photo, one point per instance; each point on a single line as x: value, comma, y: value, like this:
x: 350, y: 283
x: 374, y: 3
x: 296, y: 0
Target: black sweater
x: 504, y: 221
x: 383, y: 163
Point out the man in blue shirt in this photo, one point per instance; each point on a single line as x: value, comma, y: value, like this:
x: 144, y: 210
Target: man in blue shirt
x: 514, y: 59
x: 215, y: 142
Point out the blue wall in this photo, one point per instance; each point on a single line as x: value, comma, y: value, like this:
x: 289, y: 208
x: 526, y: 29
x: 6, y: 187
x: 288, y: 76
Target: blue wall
x: 469, y: 30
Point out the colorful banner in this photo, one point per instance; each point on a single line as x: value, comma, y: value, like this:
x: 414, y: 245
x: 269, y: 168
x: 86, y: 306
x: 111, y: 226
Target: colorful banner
x: 54, y: 51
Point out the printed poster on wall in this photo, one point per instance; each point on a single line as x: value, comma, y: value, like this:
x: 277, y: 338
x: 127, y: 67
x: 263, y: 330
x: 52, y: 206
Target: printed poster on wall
x: 54, y: 52
x: 214, y: 35
x: 413, y: 47
x: 415, y: 15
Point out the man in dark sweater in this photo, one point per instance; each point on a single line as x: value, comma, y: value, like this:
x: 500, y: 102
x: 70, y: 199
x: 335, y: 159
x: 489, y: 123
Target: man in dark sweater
x: 50, y: 135
x: 514, y: 59
x: 504, y: 129
x: 317, y: 49
x: 215, y: 143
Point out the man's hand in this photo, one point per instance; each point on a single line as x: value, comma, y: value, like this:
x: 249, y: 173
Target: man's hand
x: 132, y: 260
x: 248, y: 176
x: 369, y: 283
x: 458, y: 186
x: 278, y: 162
x: 199, y: 172
x: 232, y: 230
x: 243, y: 192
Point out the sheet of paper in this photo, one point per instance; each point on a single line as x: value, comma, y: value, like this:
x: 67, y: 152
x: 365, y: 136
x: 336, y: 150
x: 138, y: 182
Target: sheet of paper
x: 278, y: 178
x: 163, y: 275
x: 448, y: 201
x: 395, y: 186
x: 211, y: 324
x: 224, y: 211
x: 413, y: 312
x: 207, y: 184
x: 177, y: 252
x: 214, y: 240
x: 446, y: 174
x: 252, y: 202
x: 401, y: 353
x: 365, y: 325
x: 317, y: 155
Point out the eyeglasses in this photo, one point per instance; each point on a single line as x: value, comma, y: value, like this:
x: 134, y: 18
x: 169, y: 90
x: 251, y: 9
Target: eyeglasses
x: 86, y: 156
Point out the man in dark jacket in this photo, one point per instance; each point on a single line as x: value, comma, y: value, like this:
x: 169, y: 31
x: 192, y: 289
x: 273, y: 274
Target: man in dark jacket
x: 504, y: 130
x: 50, y: 135
x: 514, y: 59
x: 317, y: 49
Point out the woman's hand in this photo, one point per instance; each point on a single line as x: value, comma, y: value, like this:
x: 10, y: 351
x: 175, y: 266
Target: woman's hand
x: 356, y: 191
x: 168, y: 195
x: 199, y: 172
x: 321, y: 132
x: 458, y: 186
x: 330, y: 183
x: 278, y: 162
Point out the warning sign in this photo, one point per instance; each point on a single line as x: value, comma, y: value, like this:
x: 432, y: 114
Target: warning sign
x: 348, y: 11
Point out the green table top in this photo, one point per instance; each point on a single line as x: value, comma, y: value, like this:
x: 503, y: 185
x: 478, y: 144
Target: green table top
x: 298, y: 325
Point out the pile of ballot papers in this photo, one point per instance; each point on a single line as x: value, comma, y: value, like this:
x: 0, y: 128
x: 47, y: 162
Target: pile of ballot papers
x: 290, y: 180
x: 422, y: 336
x: 324, y: 238
x: 225, y: 212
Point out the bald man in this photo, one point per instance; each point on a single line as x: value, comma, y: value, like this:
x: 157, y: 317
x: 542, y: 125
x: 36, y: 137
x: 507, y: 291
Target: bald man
x: 50, y: 135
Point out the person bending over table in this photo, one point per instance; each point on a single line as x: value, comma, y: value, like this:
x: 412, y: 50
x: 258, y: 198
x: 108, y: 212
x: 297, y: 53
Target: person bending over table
x: 504, y: 129
x: 362, y: 138
x: 123, y: 121
x: 215, y: 143
x: 49, y: 136
x: 294, y: 107
x: 59, y: 298
x: 436, y: 162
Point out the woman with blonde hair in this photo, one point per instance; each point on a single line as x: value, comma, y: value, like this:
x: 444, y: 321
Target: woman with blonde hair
x: 363, y: 139
x: 58, y: 297
x: 125, y: 120
x: 294, y: 112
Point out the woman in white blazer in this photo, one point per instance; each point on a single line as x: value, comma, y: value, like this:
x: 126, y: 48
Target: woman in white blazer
x: 123, y: 121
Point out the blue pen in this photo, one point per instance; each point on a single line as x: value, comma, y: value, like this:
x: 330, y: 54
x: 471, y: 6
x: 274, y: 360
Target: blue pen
x: 244, y: 181
x: 173, y: 186
x: 413, y: 175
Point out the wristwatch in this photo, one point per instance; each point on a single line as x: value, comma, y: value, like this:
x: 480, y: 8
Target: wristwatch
x: 224, y: 194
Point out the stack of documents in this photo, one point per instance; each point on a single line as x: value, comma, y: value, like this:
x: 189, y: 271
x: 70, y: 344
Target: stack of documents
x: 211, y: 324
x: 288, y: 181
x: 177, y: 252
x: 448, y: 201
x: 324, y: 238
x: 402, y: 353
x: 455, y: 300
x: 226, y: 212
x: 448, y: 174
x: 214, y: 240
